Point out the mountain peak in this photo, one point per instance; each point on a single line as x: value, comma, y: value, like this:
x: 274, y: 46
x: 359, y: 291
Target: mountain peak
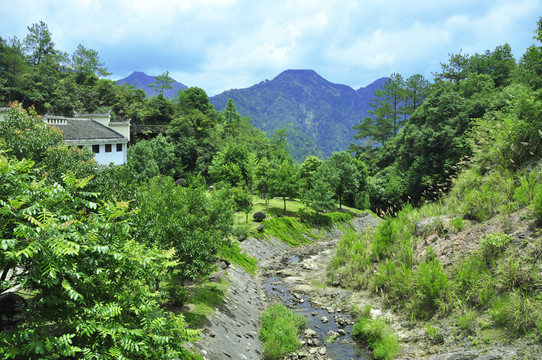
x: 142, y: 81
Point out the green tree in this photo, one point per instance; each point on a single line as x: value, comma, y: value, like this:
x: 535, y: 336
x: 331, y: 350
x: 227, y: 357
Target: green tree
x: 262, y: 182
x: 320, y: 196
x: 187, y: 219
x: 284, y: 181
x: 162, y: 82
x: 416, y: 90
x: 87, y: 61
x: 387, y: 107
x: 530, y: 64
x: 342, y: 172
x: 234, y: 165
x: 307, y: 171
x: 84, y: 275
x: 455, y: 70
x: 39, y: 44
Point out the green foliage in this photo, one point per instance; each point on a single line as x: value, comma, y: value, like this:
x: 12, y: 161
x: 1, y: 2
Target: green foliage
x: 537, y: 204
x: 185, y: 218
x: 87, y: 277
x: 284, y: 181
x: 516, y: 312
x: 234, y: 165
x: 232, y: 252
x: 290, y: 230
x: 26, y: 135
x: 467, y: 322
x: 433, y: 284
x: 279, y: 330
x: 494, y: 244
x: 378, y: 335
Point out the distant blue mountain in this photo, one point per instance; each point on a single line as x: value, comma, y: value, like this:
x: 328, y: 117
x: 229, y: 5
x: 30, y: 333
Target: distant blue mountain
x: 140, y: 80
x: 317, y: 115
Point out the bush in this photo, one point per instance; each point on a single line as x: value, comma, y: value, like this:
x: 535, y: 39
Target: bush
x: 516, y: 312
x: 259, y: 216
x: 378, y: 336
x: 177, y: 295
x: 494, y: 244
x: 433, y: 283
x: 280, y: 327
x: 537, y: 204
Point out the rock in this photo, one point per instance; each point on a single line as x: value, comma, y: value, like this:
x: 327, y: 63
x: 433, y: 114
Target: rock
x: 322, y: 351
x: 341, y: 332
x: 309, y: 333
x: 433, y: 224
x: 212, y: 334
x: 324, y: 319
x: 260, y: 228
x: 314, y: 313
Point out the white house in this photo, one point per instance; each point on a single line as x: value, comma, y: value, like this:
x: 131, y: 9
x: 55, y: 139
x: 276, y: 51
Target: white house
x: 108, y: 140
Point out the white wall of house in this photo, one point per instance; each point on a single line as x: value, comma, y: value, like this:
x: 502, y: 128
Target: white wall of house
x: 105, y: 157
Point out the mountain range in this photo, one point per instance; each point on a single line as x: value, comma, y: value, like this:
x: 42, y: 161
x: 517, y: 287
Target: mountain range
x: 317, y: 115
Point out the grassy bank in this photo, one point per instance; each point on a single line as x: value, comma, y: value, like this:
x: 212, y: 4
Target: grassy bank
x: 490, y: 289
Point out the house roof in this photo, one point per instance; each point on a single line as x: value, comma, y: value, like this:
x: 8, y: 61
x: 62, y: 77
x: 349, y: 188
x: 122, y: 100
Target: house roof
x: 80, y: 130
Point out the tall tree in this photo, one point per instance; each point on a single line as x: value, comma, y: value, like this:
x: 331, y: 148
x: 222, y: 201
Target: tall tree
x: 284, y: 181
x: 39, y: 44
x: 87, y: 61
x: 416, y: 90
x: 455, y: 70
x: 162, y: 82
x: 342, y: 172
x: 387, y: 107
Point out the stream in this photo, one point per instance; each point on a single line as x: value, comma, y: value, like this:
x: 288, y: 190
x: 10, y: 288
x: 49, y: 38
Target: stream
x: 333, y: 330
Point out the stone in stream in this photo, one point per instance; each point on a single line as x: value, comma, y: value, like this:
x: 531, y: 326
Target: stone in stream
x: 324, y: 319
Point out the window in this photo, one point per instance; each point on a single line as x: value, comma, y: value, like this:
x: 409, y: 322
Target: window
x: 107, y: 147
x: 96, y: 149
x: 119, y: 147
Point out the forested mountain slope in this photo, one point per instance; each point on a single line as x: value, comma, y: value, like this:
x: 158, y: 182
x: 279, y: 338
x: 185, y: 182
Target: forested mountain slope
x: 318, y: 115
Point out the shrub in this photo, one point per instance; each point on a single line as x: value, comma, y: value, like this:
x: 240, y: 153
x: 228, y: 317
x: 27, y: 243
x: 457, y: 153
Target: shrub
x: 537, y: 204
x: 433, y: 283
x: 280, y: 327
x: 177, y: 295
x: 516, y: 312
x: 494, y: 244
x: 378, y: 336
x: 467, y: 322
x: 259, y: 216
x: 395, y: 280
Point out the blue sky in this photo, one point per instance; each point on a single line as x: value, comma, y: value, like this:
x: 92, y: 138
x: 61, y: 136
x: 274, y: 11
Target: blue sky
x: 223, y: 44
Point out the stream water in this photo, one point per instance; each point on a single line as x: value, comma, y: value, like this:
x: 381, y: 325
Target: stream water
x: 342, y: 347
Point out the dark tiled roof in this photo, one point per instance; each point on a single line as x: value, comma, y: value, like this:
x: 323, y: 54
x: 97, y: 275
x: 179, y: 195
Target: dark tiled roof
x: 86, y: 129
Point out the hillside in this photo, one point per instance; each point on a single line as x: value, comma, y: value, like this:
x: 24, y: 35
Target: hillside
x: 140, y: 80
x: 317, y: 114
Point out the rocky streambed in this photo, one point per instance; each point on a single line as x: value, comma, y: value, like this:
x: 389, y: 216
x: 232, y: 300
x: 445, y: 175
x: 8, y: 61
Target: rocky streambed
x: 296, y: 278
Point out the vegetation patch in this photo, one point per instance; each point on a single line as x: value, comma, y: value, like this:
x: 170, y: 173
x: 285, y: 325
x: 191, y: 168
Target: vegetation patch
x: 378, y: 336
x: 202, y: 302
x: 279, y: 331
x: 233, y: 254
x: 290, y: 230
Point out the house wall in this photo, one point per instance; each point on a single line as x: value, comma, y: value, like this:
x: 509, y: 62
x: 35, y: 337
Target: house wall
x: 115, y: 157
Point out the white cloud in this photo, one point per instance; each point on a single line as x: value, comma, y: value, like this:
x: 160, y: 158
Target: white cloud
x: 235, y: 43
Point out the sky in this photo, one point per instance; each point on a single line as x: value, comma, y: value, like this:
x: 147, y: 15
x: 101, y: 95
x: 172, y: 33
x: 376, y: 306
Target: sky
x: 225, y: 44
